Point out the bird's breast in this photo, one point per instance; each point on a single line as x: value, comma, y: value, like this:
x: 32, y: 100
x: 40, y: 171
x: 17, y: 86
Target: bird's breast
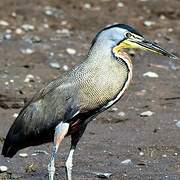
x: 105, y: 85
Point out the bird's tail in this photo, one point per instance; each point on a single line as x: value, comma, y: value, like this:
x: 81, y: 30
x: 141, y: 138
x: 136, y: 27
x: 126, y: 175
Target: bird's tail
x: 9, y: 150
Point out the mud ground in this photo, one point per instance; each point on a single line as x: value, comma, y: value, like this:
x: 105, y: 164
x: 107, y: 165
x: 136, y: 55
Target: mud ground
x: 152, y: 144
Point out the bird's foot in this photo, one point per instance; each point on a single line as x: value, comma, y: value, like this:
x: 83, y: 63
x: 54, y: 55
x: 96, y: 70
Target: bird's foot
x: 51, y: 172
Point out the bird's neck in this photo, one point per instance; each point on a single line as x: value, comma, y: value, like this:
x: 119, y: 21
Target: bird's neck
x: 100, y: 52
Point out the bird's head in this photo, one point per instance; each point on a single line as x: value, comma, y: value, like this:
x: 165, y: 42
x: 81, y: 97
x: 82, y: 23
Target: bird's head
x: 121, y: 36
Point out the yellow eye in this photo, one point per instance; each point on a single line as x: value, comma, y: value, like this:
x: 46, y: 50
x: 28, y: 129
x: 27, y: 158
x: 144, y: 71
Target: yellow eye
x: 128, y: 35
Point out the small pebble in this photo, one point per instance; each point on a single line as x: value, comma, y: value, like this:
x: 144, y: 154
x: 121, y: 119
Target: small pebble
x: 162, y: 17
x: 63, y: 32
x: 8, y: 31
x: 7, y: 36
x: 102, y: 175
x: 87, y: 6
x: 114, y: 109
x: 151, y: 74
x: 146, y: 114
x: 28, y: 27
x: 164, y: 155
x: 54, y: 65
x: 170, y: 29
x: 13, y: 14
x: 3, y: 169
x: 32, y: 39
x: 65, y: 68
x: 48, y: 12
x: 149, y: 23
x: 71, y: 51
x: 64, y: 22
x: 19, y: 31
x: 46, y: 26
x: 141, y: 153
x: 120, y: 4
x: 29, y: 78
x: 15, y: 115
x: 178, y: 124
x: 126, y: 162
x: 172, y: 65
x: 4, y: 23
x: 23, y: 155
x: 41, y: 152
x: 27, y: 51
x: 121, y: 114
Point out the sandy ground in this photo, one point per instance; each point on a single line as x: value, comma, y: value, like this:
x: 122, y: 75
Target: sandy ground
x: 34, y: 41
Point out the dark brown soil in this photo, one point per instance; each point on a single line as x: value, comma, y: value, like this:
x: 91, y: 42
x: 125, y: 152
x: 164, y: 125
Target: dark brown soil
x: 151, y: 143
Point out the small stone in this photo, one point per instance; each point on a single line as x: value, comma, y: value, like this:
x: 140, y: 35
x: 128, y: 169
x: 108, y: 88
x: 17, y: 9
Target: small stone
x: 51, y: 54
x: 8, y: 31
x: 164, y: 155
x: 7, y: 36
x: 64, y: 31
x: 4, y: 23
x: 29, y: 78
x: 46, y: 26
x: 64, y: 22
x: 6, y: 83
x: 87, y: 6
x: 126, y: 162
x: 27, y: 51
x: 146, y: 114
x: 65, y: 68
x: 178, y: 124
x: 172, y: 65
x: 41, y: 152
x: 149, y: 23
x: 54, y: 65
x: 13, y: 14
x: 23, y: 155
x: 12, y: 81
x: 19, y: 31
x: 103, y: 175
x: 48, y: 12
x: 121, y: 114
x: 71, y: 51
x: 120, y: 4
x: 32, y: 39
x: 141, y: 93
x: 28, y: 27
x: 151, y: 74
x: 141, y: 153
x: 162, y: 17
x: 170, y: 30
x: 15, y: 115
x: 3, y: 169
x: 114, y: 109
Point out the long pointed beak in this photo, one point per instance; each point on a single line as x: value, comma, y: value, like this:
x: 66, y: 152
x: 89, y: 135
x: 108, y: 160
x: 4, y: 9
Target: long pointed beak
x: 154, y: 47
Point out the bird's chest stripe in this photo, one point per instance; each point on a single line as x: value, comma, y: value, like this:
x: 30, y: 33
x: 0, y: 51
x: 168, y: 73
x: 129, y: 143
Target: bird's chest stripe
x: 125, y: 86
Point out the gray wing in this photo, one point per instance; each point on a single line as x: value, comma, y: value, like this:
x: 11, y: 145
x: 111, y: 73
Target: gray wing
x: 38, y: 119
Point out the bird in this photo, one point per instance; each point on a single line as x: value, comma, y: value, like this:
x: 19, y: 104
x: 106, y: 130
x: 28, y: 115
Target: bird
x: 68, y: 103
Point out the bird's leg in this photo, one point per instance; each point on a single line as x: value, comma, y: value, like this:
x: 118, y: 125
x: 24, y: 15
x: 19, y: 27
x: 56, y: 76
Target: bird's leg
x: 60, y: 132
x: 74, y: 140
x: 69, y: 164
